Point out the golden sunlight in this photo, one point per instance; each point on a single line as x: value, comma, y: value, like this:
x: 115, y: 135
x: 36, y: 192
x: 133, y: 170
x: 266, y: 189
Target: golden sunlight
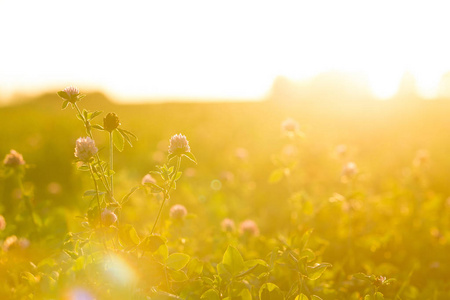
x: 214, y: 50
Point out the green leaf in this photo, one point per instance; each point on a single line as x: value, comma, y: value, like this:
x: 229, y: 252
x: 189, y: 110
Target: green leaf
x: 94, y: 114
x: 177, y: 261
x: 126, y: 132
x: 177, y: 275
x: 301, y: 244
x: 99, y: 127
x: 314, y: 297
x: 276, y: 175
x: 65, y: 103
x: 89, y: 193
x: 308, y: 253
x: 118, y: 140
x: 128, y: 236
x: 190, y: 156
x: 362, y: 276
x: 194, y: 267
x: 152, y: 243
x: 29, y: 277
x: 301, y: 297
x: 317, y: 271
x: 270, y: 291
x: 210, y: 294
x: 233, y: 261
x: 63, y: 95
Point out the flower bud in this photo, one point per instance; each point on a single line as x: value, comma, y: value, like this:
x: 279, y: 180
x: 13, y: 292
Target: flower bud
x: 108, y: 217
x: 111, y: 122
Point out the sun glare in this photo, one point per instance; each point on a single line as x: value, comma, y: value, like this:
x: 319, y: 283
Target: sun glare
x: 216, y: 50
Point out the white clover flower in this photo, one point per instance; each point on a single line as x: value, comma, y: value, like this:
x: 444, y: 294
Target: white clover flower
x: 12, y: 243
x: 179, y: 144
x: 85, y: 149
x: 13, y: 159
x: 227, y: 225
x: 148, y: 179
x: 249, y: 227
x: 178, y: 212
x: 108, y: 217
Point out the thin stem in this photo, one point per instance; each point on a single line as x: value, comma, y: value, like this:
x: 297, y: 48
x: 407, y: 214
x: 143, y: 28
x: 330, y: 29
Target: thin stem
x: 98, y: 204
x: 26, y: 199
x: 166, y: 193
x: 111, y: 160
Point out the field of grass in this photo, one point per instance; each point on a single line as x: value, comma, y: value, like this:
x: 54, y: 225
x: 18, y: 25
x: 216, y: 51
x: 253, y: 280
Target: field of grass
x: 303, y: 222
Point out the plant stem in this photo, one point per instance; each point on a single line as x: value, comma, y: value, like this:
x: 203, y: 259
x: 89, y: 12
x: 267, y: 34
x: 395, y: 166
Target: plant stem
x: 167, y: 191
x: 26, y: 198
x: 111, y: 160
x: 98, y: 204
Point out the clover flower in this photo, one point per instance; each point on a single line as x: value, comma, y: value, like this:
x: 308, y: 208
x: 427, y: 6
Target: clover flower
x: 178, y: 212
x: 13, y: 159
x: 72, y: 93
x: 108, y: 217
x: 2, y: 223
x: 148, y: 179
x: 111, y: 122
x: 350, y: 170
x: 179, y: 145
x: 85, y: 149
x: 227, y: 225
x: 12, y: 243
x: 249, y: 227
x: 290, y: 125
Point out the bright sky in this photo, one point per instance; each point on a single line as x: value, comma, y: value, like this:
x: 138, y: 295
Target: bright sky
x: 138, y: 49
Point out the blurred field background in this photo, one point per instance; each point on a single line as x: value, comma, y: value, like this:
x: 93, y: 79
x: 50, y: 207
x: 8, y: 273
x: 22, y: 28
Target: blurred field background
x: 399, y: 205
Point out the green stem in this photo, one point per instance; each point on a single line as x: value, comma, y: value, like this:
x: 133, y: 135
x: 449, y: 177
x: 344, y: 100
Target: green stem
x: 111, y: 160
x: 26, y: 198
x: 98, y: 204
x: 166, y: 193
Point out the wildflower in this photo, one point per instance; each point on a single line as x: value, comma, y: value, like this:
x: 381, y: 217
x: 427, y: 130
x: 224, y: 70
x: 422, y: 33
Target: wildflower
x: 70, y: 94
x: 290, y: 126
x: 179, y: 145
x: 349, y: 171
x: 12, y: 243
x: 148, y: 179
x: 249, y: 227
x: 111, y: 122
x: 13, y: 159
x: 227, y: 225
x: 108, y: 217
x: 85, y: 149
x: 178, y: 212
x: 2, y: 223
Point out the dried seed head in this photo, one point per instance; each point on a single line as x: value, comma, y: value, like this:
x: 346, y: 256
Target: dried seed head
x: 111, y: 122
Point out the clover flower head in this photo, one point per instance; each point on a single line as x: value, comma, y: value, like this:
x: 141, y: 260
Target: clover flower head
x: 12, y: 243
x: 13, y: 159
x: 290, y: 125
x: 2, y: 223
x: 350, y: 170
x: 227, y: 225
x: 71, y: 91
x: 85, y: 149
x: 249, y: 227
x: 111, y: 122
x: 108, y: 217
x: 179, y: 144
x: 148, y: 179
x: 178, y: 212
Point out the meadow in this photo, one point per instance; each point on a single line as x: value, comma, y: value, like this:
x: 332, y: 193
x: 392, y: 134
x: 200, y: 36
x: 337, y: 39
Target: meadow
x: 299, y: 201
